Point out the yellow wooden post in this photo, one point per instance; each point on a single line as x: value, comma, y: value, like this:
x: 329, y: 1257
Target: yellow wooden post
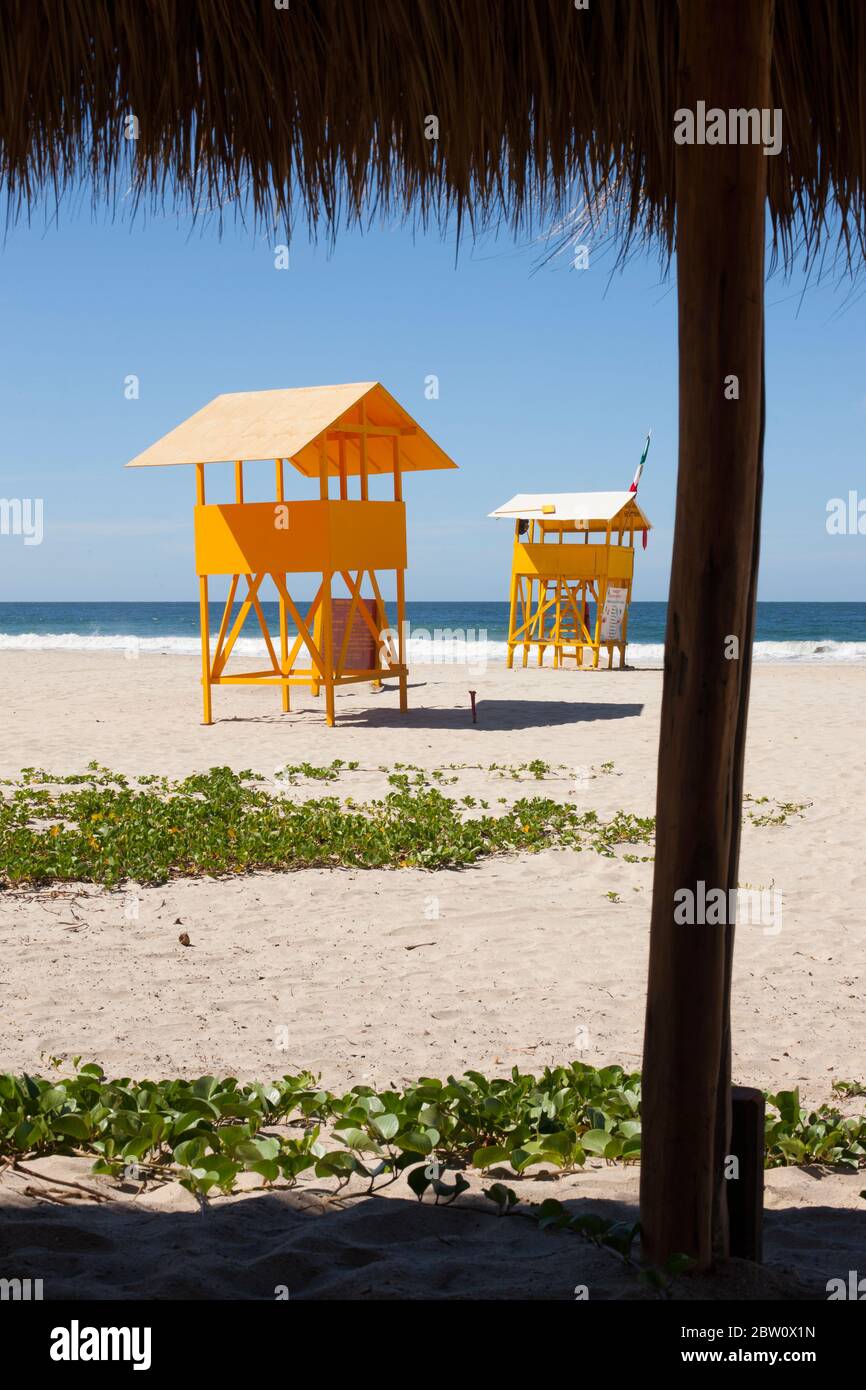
x: 323, y: 469
x: 239, y: 480
x: 624, y: 633
x: 344, y: 482
x: 401, y: 638
x: 364, y: 473
x: 528, y: 612
x: 327, y: 605
x: 602, y: 594
x: 204, y: 613
x: 557, y: 627
x: 581, y: 609
x: 328, y: 646
x: 512, y: 611
x: 401, y: 574
x: 398, y: 481
x: 284, y: 619
x: 512, y: 616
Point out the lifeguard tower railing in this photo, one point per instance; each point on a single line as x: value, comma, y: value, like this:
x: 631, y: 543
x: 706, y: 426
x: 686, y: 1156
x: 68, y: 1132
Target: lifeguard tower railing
x: 329, y: 433
x: 571, y: 551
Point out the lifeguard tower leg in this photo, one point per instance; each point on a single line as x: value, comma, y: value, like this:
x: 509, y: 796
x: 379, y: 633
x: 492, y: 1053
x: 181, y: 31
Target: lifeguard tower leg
x: 328, y: 648
x: 204, y: 615
x: 280, y: 494
x: 599, y: 606
x: 401, y: 638
x: 204, y: 618
x: 515, y: 584
x: 512, y: 611
x: 380, y: 625
x: 624, y: 629
x: 284, y: 649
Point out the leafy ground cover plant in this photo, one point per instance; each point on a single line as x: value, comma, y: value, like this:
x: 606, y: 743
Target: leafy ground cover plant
x: 208, y: 1131
x: 107, y: 829
x: 796, y: 1136
x: 292, y: 772
x: 778, y: 813
x: 103, y: 828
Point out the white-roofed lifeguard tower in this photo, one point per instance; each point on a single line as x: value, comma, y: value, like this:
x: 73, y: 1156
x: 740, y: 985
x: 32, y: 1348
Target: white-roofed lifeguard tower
x: 572, y: 550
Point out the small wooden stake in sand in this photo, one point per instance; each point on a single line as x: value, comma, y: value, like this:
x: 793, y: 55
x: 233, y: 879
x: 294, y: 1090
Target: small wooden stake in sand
x: 745, y: 1186
x: 472, y: 695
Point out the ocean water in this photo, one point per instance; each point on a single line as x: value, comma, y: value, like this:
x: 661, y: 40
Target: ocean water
x: 447, y: 631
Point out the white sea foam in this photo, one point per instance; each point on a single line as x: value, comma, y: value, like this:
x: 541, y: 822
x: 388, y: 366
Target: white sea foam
x: 811, y: 651
x: 90, y: 642
x: 422, y: 650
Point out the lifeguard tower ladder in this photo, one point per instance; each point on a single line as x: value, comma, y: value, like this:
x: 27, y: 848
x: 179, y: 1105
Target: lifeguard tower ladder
x: 325, y: 432
x: 571, y: 549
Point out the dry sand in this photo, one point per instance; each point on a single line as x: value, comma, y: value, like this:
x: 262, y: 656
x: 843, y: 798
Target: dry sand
x: 382, y: 976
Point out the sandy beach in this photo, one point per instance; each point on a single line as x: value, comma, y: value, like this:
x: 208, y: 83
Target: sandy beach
x: 381, y: 976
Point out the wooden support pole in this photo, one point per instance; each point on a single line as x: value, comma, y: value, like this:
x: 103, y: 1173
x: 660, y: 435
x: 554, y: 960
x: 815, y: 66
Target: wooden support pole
x: 724, y: 60
x: 239, y: 480
x: 204, y: 614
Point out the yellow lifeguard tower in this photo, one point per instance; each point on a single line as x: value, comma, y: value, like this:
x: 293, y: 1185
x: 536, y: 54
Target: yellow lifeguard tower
x: 325, y: 432
x: 572, y: 549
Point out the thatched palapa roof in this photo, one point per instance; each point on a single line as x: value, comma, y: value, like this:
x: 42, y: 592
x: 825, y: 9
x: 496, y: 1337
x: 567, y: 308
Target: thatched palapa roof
x: 323, y: 105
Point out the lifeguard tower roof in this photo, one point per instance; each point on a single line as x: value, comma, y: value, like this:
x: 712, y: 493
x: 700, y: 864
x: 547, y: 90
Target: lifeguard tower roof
x: 287, y: 424
x: 584, y: 507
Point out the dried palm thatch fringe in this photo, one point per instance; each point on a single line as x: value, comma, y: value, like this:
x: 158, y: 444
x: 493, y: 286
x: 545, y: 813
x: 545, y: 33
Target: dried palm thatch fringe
x: 322, y: 107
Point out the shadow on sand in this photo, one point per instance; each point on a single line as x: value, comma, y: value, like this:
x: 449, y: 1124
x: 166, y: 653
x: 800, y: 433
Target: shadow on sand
x: 492, y: 714
x: 354, y: 710
x: 381, y: 1247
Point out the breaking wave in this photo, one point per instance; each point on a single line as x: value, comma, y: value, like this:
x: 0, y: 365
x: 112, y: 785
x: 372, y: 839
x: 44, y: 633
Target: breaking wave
x: 423, y: 650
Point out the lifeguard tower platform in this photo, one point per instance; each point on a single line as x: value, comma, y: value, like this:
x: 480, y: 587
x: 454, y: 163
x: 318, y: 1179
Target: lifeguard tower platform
x: 572, y: 550
x: 326, y: 433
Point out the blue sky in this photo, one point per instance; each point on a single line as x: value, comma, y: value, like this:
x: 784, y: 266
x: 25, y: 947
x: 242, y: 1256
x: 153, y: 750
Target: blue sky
x: 549, y: 378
